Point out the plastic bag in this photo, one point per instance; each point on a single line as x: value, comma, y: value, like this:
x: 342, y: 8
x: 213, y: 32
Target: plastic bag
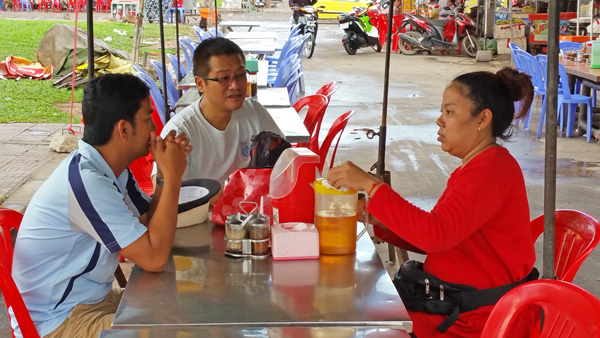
x: 249, y: 184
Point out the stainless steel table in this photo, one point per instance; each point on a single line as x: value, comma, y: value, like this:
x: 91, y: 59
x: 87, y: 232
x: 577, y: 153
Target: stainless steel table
x: 256, y: 46
x: 274, y: 97
x: 202, y: 287
x: 255, y: 332
x: 252, y: 35
x: 230, y: 24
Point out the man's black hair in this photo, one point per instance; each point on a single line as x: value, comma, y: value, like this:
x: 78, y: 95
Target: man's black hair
x: 211, y: 47
x: 108, y: 99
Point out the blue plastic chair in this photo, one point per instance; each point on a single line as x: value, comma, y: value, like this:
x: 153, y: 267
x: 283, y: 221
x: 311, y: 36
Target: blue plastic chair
x: 202, y: 35
x: 292, y: 66
x: 293, y: 86
x: 2, y: 8
x: 531, y: 66
x: 154, y: 91
x: 572, y: 100
x: 188, y: 54
x: 174, y: 61
x: 513, y: 48
x: 172, y: 94
x: 212, y: 31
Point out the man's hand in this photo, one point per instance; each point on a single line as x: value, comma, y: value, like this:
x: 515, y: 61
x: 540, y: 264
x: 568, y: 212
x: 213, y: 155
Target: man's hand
x: 170, y: 154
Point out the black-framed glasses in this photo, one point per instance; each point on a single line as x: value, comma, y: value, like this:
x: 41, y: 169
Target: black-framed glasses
x: 226, y: 80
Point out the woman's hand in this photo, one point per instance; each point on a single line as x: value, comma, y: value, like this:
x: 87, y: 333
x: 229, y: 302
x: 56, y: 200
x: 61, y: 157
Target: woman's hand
x: 349, y: 175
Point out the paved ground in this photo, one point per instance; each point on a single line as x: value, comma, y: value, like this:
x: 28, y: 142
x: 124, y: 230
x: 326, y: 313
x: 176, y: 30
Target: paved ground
x: 419, y: 168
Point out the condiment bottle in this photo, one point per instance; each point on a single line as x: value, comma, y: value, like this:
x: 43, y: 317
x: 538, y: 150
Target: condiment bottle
x: 252, y: 68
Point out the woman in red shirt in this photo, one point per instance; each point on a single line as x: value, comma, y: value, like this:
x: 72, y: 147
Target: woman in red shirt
x: 479, y: 231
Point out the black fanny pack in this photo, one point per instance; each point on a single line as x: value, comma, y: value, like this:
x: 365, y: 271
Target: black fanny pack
x: 421, y: 291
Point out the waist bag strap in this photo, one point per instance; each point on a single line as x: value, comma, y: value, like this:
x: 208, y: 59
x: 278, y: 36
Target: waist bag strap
x: 472, y: 300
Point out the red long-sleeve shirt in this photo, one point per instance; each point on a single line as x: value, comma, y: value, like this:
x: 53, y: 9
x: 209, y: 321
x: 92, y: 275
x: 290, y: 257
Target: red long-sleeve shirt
x: 477, y: 234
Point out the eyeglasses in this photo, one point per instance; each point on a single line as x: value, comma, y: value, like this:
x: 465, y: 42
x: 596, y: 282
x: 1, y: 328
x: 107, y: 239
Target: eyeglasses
x: 226, y: 80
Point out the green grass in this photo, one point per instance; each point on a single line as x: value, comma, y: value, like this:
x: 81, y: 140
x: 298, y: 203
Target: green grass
x: 34, y: 100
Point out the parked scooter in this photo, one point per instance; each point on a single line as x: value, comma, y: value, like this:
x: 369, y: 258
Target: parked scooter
x: 358, y: 29
x: 458, y: 32
x: 308, y: 21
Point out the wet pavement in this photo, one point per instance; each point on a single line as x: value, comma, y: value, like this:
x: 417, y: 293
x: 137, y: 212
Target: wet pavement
x: 419, y: 169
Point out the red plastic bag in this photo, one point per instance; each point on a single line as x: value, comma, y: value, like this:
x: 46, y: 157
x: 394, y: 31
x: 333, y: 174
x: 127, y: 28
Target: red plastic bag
x: 249, y: 184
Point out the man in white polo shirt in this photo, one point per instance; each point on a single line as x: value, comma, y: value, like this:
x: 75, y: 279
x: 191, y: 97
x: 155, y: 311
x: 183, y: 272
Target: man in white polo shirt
x: 221, y: 124
x: 91, y: 210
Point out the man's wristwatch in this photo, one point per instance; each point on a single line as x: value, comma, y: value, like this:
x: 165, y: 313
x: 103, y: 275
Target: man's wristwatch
x: 159, y: 180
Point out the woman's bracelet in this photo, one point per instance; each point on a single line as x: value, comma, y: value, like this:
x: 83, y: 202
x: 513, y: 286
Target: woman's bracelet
x: 373, y: 187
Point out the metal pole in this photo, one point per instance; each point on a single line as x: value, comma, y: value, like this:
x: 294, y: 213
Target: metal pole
x: 216, y: 18
x: 162, y: 55
x: 90, y: 37
x: 178, y: 70
x: 550, y: 165
x: 380, y: 168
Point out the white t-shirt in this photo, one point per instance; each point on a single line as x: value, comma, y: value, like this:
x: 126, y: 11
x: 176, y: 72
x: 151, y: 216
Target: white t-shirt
x: 218, y: 153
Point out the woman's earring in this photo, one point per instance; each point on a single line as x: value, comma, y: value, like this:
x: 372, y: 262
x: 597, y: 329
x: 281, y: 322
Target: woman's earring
x: 478, y: 128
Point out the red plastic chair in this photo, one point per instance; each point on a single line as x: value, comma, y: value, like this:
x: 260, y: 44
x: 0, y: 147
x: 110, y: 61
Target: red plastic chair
x: 11, y: 219
x: 336, y: 130
x: 142, y: 171
x: 328, y: 89
x: 99, y: 6
x: 576, y: 236
x: 568, y: 311
x: 56, y: 6
x: 317, y: 105
x: 45, y: 4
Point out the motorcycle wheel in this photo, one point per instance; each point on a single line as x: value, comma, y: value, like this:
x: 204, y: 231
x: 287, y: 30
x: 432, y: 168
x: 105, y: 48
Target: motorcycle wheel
x: 350, y: 49
x: 309, y: 46
x: 470, y: 45
x: 377, y: 47
x: 404, y: 47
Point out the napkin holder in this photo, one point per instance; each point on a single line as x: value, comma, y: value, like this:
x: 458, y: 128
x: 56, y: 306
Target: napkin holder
x: 294, y: 240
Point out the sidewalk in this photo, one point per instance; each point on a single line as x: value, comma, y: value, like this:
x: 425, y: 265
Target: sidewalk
x: 26, y: 161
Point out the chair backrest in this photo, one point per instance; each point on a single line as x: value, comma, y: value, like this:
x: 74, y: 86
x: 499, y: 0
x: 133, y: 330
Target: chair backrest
x: 188, y: 53
x: 543, y: 60
x: 327, y: 89
x: 11, y: 219
x: 172, y: 94
x: 294, y: 31
x: 292, y: 85
x: 174, y: 62
x: 513, y: 48
x: 563, y: 80
x: 288, y: 66
x: 317, y: 105
x: 142, y: 171
x: 530, y: 65
x: 337, y: 128
x: 576, y: 234
x: 155, y: 95
x: 214, y: 32
x: 202, y: 34
x: 568, y: 311
x: 569, y: 46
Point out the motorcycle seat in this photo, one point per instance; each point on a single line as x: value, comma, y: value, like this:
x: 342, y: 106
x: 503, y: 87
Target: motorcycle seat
x: 439, y: 23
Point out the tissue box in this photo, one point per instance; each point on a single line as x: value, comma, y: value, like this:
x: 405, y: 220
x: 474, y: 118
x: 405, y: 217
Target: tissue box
x: 294, y: 241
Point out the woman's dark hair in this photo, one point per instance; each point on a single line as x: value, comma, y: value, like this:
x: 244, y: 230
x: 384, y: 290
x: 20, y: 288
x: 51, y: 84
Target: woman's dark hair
x: 107, y: 99
x: 211, y: 47
x: 498, y: 92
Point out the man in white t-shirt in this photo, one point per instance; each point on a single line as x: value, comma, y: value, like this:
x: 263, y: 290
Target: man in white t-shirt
x: 221, y: 124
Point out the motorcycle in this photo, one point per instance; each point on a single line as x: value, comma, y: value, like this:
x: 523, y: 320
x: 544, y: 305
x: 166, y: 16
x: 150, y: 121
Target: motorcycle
x: 358, y: 26
x: 308, y: 25
x: 458, y: 32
